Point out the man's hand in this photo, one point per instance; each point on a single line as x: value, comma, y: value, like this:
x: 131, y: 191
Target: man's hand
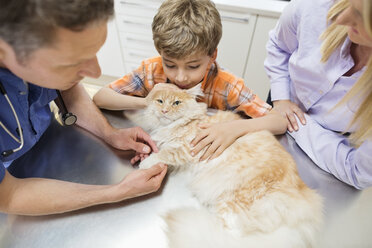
x: 132, y: 139
x: 217, y: 136
x: 142, y: 181
x: 288, y: 110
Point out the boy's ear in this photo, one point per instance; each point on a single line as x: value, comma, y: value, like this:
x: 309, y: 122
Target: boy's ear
x: 214, y: 56
x: 196, y: 91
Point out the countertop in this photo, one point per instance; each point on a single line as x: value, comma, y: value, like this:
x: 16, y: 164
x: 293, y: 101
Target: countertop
x: 72, y: 154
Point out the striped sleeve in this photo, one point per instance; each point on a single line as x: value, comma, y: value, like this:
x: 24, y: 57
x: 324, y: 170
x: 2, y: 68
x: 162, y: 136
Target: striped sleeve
x: 230, y: 93
x: 140, y: 81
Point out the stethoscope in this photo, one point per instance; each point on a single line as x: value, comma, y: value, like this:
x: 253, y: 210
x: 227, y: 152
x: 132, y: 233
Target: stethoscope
x: 67, y: 119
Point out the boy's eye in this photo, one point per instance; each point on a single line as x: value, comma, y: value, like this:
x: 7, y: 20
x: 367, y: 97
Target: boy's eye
x: 170, y: 66
x: 176, y: 103
x: 194, y: 66
x: 159, y: 101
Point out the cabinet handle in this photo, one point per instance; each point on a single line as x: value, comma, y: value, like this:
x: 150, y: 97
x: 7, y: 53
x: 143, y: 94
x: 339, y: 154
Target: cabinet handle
x: 134, y: 54
x: 136, y: 23
x: 136, y: 4
x: 236, y: 19
x: 139, y: 40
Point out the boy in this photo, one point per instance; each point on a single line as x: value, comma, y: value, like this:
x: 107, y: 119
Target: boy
x: 186, y: 34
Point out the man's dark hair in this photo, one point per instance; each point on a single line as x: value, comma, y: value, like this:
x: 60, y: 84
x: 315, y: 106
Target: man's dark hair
x: 27, y: 25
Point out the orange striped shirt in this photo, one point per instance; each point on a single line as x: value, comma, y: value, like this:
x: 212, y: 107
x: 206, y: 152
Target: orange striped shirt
x: 222, y: 89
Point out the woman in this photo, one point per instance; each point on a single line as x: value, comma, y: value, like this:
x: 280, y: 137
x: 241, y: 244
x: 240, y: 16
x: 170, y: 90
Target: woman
x: 323, y: 86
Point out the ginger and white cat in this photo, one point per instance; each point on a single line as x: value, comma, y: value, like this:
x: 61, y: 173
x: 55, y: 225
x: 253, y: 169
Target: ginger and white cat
x: 252, y: 193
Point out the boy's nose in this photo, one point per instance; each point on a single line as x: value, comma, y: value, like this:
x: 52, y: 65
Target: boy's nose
x: 181, y: 77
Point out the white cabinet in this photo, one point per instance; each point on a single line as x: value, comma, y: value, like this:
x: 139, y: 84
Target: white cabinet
x: 133, y: 19
x: 255, y: 76
x: 237, y: 33
x: 246, y: 24
x: 109, y: 56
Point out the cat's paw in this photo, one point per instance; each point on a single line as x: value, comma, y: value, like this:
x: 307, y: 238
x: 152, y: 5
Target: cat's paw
x: 148, y: 162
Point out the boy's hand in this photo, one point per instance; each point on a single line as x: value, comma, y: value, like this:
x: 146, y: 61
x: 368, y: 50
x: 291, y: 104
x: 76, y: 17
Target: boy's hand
x: 289, y: 109
x: 217, y: 136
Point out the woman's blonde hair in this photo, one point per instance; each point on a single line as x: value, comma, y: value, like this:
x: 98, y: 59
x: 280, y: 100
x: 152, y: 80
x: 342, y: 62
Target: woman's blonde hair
x: 186, y: 27
x: 332, y: 38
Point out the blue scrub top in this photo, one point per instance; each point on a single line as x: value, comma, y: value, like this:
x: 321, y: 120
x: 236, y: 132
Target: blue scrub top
x: 31, y: 104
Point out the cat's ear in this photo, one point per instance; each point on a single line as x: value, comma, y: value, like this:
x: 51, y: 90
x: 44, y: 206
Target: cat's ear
x: 196, y: 91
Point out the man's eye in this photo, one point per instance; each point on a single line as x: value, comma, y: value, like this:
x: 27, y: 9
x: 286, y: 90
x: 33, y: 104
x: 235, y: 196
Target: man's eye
x: 159, y: 101
x: 176, y: 103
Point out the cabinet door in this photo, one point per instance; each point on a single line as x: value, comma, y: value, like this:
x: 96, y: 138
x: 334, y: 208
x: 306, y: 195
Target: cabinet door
x: 109, y: 56
x: 255, y: 76
x: 237, y: 32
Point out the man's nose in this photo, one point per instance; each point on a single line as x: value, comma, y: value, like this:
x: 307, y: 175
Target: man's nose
x: 91, y: 69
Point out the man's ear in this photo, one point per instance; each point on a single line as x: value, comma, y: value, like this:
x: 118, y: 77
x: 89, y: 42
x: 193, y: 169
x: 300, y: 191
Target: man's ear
x: 2, y: 51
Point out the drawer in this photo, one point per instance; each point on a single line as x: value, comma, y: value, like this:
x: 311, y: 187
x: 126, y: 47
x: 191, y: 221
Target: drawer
x: 136, y: 41
x: 140, y: 8
x: 136, y: 56
x: 133, y: 24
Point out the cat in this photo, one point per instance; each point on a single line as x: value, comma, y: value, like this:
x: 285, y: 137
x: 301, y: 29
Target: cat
x: 252, y: 194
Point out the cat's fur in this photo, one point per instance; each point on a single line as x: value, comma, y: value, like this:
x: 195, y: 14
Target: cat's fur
x: 252, y: 193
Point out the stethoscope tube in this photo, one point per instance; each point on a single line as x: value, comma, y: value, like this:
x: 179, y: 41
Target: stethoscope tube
x: 20, y: 132
x: 67, y: 119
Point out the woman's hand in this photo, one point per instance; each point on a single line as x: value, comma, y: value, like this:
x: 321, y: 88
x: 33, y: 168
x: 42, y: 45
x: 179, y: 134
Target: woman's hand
x: 217, y: 137
x: 289, y: 109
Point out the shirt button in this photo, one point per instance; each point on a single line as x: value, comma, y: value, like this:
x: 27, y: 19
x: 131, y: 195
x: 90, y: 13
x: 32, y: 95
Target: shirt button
x: 321, y: 92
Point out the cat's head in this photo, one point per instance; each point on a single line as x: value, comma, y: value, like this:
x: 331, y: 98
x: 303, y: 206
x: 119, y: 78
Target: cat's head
x: 170, y: 103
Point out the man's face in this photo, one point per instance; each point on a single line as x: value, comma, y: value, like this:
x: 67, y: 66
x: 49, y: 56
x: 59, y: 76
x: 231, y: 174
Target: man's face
x: 64, y: 63
x: 187, y: 72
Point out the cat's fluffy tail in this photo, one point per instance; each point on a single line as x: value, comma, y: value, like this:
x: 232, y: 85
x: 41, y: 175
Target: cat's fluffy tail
x: 194, y: 228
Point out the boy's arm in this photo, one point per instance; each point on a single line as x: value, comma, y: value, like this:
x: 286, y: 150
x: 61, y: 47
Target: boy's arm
x: 221, y: 135
x: 107, y: 98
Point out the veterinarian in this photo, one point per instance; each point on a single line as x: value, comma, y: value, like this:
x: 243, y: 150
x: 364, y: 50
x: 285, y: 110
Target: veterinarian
x: 47, y: 45
x: 321, y: 81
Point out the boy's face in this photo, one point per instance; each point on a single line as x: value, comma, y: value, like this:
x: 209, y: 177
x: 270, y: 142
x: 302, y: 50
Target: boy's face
x: 187, y: 72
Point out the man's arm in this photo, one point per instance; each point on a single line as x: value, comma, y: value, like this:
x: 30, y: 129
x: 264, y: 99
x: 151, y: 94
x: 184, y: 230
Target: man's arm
x: 90, y: 118
x: 38, y: 196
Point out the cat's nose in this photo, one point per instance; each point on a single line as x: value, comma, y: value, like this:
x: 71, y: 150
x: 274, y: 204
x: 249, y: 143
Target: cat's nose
x: 164, y: 111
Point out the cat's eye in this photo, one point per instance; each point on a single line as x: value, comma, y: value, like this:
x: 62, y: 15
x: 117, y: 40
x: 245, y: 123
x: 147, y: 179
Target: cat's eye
x: 176, y: 103
x: 159, y: 101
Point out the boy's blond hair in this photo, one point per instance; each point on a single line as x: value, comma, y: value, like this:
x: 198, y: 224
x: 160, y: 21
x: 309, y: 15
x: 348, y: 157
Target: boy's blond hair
x: 333, y: 37
x: 187, y: 27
